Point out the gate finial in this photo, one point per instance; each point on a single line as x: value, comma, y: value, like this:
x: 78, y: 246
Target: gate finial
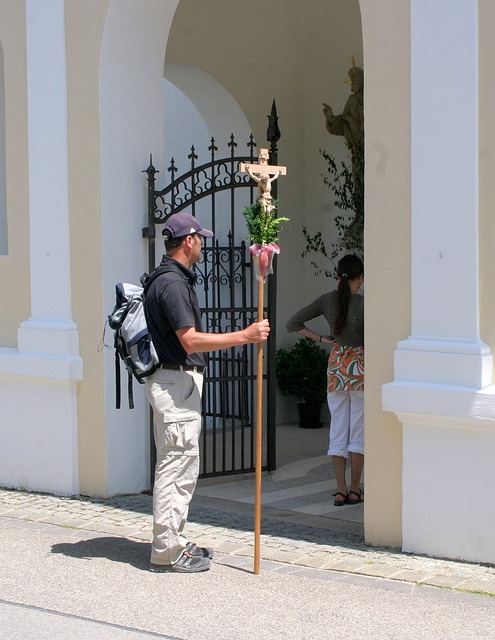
x: 273, y: 132
x: 151, y: 169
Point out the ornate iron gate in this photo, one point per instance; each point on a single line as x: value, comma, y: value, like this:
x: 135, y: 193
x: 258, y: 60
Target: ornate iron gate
x: 217, y: 192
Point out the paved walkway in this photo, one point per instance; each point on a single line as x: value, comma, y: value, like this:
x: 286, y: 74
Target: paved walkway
x: 78, y: 567
x: 298, y: 546
x: 58, y: 582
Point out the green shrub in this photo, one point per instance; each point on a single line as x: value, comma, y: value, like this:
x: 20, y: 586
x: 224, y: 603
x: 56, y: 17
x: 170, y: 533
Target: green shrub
x: 302, y: 371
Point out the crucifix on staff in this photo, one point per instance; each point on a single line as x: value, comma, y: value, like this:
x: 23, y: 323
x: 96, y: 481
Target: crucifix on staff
x: 263, y: 226
x: 264, y: 175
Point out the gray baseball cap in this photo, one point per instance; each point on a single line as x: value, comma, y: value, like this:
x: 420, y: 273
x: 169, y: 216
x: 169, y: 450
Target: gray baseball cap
x: 182, y: 224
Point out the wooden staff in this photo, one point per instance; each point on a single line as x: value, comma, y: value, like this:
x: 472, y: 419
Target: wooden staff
x: 259, y: 436
x: 264, y: 175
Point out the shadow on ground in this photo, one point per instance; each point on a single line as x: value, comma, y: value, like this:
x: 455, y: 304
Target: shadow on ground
x: 132, y: 552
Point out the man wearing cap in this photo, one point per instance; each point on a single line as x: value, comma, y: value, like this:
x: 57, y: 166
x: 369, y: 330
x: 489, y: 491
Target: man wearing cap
x: 174, y: 391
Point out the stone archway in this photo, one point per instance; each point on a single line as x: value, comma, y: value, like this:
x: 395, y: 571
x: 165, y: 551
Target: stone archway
x: 131, y: 77
x: 386, y: 53
x: 131, y: 124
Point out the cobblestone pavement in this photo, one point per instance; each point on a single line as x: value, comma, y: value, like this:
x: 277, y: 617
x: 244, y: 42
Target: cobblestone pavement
x: 231, y: 533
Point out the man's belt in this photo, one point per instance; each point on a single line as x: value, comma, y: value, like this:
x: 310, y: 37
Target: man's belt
x: 182, y: 367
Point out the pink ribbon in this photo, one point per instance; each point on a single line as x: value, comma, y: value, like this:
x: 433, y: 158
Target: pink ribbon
x: 263, y: 258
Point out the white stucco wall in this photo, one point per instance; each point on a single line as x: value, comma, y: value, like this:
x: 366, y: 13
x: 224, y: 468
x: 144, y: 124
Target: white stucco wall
x: 459, y: 525
x: 4, y: 228
x: 131, y: 120
x: 38, y: 390
x: 443, y: 389
x: 181, y: 114
x: 219, y: 112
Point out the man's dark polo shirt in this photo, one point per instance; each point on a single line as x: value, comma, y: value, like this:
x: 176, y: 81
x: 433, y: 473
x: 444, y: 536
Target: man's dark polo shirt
x: 170, y: 304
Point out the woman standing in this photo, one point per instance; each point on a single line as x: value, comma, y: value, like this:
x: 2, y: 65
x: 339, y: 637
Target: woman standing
x: 344, y: 311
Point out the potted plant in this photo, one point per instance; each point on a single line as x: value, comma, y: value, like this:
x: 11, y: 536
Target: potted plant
x: 302, y: 372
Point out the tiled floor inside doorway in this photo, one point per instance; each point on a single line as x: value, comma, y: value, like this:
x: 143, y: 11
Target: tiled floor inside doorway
x: 299, y: 490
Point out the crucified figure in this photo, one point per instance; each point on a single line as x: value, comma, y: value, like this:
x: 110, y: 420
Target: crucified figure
x: 264, y: 175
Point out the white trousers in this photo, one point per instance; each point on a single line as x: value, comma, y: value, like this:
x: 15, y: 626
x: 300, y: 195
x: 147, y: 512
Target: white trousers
x: 346, y: 422
x: 175, y: 397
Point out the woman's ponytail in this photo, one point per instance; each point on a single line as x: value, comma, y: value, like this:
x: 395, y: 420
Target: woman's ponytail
x: 349, y: 267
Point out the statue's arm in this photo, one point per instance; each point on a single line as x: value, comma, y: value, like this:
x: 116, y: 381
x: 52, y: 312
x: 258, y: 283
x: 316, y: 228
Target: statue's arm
x: 255, y: 178
x: 327, y: 112
x: 336, y: 126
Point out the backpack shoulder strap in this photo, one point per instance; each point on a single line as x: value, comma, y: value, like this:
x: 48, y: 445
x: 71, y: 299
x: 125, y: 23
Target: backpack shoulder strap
x: 146, y: 279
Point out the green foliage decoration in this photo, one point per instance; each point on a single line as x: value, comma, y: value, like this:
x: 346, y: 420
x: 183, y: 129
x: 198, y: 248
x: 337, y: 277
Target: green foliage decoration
x: 350, y: 237
x: 301, y: 371
x: 263, y: 225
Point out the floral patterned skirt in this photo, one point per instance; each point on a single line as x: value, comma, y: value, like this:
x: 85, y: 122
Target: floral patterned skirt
x: 345, y: 370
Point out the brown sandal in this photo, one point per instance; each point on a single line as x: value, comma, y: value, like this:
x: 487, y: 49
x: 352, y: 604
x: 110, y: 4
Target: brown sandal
x: 358, y: 499
x: 340, y: 503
